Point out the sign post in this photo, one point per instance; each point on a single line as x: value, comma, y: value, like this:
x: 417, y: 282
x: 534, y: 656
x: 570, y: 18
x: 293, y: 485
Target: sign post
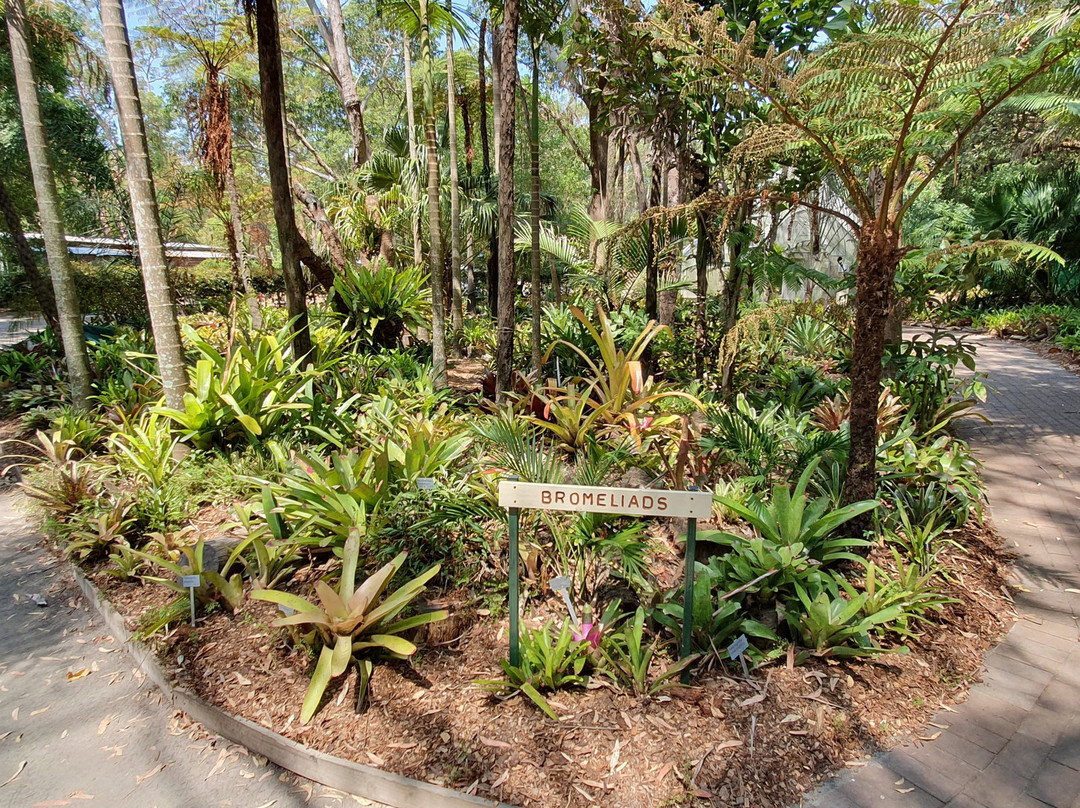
x: 692, y: 505
x: 191, y: 582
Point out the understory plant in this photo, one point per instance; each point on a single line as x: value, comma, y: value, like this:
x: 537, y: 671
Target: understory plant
x: 353, y: 624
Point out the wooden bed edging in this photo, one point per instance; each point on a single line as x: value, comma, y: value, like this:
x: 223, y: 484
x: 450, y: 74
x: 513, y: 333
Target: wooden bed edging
x: 343, y: 775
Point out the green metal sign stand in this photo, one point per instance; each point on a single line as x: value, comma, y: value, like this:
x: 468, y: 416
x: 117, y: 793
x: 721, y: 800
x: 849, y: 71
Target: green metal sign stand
x: 691, y: 504
x: 515, y: 652
x: 688, y: 596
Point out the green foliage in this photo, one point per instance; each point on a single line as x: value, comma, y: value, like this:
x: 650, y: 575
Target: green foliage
x: 629, y: 657
x: 353, y: 623
x: 829, y: 625
x: 245, y: 395
x: 323, y: 497
x: 718, y: 617
x: 383, y: 302
x: 548, y: 662
x: 910, y: 590
x: 792, y: 523
x: 770, y: 443
x: 62, y: 483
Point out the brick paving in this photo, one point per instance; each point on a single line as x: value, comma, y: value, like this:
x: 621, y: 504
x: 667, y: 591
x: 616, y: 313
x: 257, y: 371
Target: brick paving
x: 1016, y: 742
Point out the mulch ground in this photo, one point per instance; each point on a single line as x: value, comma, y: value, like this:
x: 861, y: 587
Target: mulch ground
x: 726, y: 740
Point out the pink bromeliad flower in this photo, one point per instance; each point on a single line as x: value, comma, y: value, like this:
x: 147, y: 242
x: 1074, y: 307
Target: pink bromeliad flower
x: 589, y: 632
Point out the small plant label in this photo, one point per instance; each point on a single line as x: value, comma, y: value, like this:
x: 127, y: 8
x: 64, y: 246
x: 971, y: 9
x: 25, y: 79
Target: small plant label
x: 191, y: 583
x: 562, y: 585
x: 425, y: 483
x: 737, y: 650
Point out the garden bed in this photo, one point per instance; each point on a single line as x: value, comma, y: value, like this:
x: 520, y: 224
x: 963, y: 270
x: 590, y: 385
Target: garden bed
x: 725, y: 740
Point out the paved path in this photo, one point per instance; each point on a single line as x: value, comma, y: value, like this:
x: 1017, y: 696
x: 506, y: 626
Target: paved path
x: 1016, y: 742
x: 80, y: 726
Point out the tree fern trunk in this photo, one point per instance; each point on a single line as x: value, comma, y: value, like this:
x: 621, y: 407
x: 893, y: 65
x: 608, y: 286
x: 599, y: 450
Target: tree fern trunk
x: 144, y: 207
x: 48, y: 200
x: 876, y: 261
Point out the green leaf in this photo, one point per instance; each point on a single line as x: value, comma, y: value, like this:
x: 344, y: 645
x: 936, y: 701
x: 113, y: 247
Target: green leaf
x: 319, y: 680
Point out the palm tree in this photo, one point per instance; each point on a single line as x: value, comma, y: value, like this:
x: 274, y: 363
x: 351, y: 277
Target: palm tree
x: 271, y: 91
x: 456, y: 313
x: 52, y: 226
x: 435, y: 247
x: 508, y: 80
x: 541, y: 23
x: 144, y: 207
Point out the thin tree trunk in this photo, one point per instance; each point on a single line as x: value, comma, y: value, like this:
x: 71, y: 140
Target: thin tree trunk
x: 457, y: 320
x: 48, y: 200
x: 343, y: 72
x: 652, y: 263
x: 505, y: 119
x: 496, y: 87
x: 534, y: 209
x: 701, y: 320
x: 639, y: 177
x: 271, y: 89
x: 38, y: 282
x: 240, y: 256
x: 414, y: 149
x: 877, y: 258
x: 469, y: 290
x: 435, y: 251
x: 482, y: 79
x: 144, y: 207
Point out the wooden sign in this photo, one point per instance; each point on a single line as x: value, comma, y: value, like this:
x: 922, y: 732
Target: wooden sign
x: 601, y: 499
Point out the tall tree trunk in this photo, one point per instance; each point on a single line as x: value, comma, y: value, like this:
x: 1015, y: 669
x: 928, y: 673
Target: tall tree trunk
x: 701, y: 319
x: 435, y: 250
x: 39, y: 283
x: 508, y: 87
x: 497, y: 87
x: 469, y: 284
x: 49, y: 213
x: 482, y: 80
x: 534, y: 208
x: 414, y: 149
x: 877, y: 257
x: 457, y: 319
x: 493, y: 238
x: 271, y: 90
x: 343, y: 72
x: 652, y: 261
x: 144, y: 207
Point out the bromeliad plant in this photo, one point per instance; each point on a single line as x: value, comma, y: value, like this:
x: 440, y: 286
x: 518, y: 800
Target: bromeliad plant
x: 828, y: 624
x: 548, y: 662
x: 629, y: 657
x: 243, y: 395
x: 615, y: 386
x: 352, y: 624
x: 794, y: 534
